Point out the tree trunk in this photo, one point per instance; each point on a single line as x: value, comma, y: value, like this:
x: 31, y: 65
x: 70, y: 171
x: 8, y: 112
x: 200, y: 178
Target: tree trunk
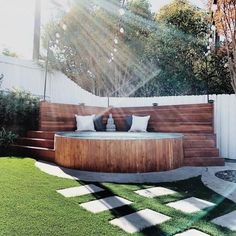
x: 232, y: 68
x: 233, y: 79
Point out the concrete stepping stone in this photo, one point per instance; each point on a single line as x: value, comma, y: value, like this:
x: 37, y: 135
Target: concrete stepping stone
x: 154, y: 192
x: 140, y: 220
x: 192, y: 232
x: 80, y: 191
x: 190, y: 205
x: 228, y: 220
x: 105, y: 204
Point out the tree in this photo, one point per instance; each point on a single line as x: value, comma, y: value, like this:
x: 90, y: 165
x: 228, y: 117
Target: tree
x: 82, y: 50
x: 185, y: 17
x: 179, y: 48
x: 7, y: 52
x: 98, y: 50
x: 225, y: 21
x: 133, y: 53
x: 176, y: 46
x: 140, y: 8
x: 212, y: 69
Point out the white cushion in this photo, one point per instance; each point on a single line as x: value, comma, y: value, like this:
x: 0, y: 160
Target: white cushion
x: 139, y: 123
x: 85, y: 123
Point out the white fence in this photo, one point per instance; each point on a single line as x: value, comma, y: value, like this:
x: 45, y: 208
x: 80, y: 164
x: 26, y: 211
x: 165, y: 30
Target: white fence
x: 174, y: 100
x: 29, y: 76
x: 225, y: 124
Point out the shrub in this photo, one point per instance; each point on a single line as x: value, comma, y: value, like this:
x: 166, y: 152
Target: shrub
x: 6, y: 139
x: 18, y: 111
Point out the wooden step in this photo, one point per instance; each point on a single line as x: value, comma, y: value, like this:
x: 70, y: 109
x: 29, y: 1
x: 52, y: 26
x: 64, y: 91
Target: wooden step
x: 36, y: 142
x: 201, y: 152
x: 199, y: 143
x: 199, y: 137
x: 41, y: 134
x: 204, y: 161
x: 37, y: 152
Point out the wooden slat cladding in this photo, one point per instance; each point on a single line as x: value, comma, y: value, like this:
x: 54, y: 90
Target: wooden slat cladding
x: 196, y: 118
x: 119, y: 156
x: 61, y: 117
x: 195, y: 121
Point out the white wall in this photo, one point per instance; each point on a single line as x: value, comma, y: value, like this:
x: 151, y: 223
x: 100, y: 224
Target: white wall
x: 225, y: 124
x: 29, y: 76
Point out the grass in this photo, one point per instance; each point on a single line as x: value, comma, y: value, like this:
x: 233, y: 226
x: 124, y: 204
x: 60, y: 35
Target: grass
x: 30, y: 205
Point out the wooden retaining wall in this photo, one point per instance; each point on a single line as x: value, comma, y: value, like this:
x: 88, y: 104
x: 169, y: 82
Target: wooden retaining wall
x: 197, y: 118
x: 61, y: 117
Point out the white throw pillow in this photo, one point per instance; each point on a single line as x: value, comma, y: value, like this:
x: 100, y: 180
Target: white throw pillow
x: 85, y: 123
x: 139, y: 123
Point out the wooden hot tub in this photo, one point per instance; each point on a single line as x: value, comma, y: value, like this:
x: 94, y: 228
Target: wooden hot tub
x: 119, y: 152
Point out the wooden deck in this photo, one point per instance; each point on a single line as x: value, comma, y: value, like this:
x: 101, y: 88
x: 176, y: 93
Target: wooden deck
x: 194, y: 121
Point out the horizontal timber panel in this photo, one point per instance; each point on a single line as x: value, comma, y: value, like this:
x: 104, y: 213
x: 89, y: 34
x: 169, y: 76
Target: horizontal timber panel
x: 205, y: 117
x: 178, y: 118
x: 112, y: 155
x: 196, y: 118
x: 61, y: 117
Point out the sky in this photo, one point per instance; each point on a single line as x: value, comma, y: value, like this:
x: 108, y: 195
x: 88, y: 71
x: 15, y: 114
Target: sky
x: 17, y: 22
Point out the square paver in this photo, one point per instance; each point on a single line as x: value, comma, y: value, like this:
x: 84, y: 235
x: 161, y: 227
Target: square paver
x: 105, y: 204
x: 192, y: 232
x: 155, y: 192
x: 190, y: 205
x: 80, y: 191
x: 140, y: 220
x: 228, y: 220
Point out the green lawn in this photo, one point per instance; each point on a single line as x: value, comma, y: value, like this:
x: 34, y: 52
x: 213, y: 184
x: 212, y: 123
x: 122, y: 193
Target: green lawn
x: 30, y: 205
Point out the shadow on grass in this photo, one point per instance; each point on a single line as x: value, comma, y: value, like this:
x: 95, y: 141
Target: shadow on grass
x: 192, y: 187
x: 124, y: 210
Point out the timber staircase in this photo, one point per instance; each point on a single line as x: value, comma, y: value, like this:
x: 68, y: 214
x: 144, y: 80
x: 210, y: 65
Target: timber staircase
x: 201, y: 150
x: 38, y: 144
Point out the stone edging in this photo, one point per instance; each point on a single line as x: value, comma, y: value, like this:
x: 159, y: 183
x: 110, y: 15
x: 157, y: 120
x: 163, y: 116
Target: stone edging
x: 154, y: 177
x: 220, y: 186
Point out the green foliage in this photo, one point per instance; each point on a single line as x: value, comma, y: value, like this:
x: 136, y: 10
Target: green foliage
x: 178, y: 47
x: 175, y: 52
x: 213, y: 69
x: 159, y: 55
x: 88, y: 53
x: 18, y: 111
x: 140, y: 8
x: 185, y: 17
x: 7, y: 52
x: 6, y: 139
